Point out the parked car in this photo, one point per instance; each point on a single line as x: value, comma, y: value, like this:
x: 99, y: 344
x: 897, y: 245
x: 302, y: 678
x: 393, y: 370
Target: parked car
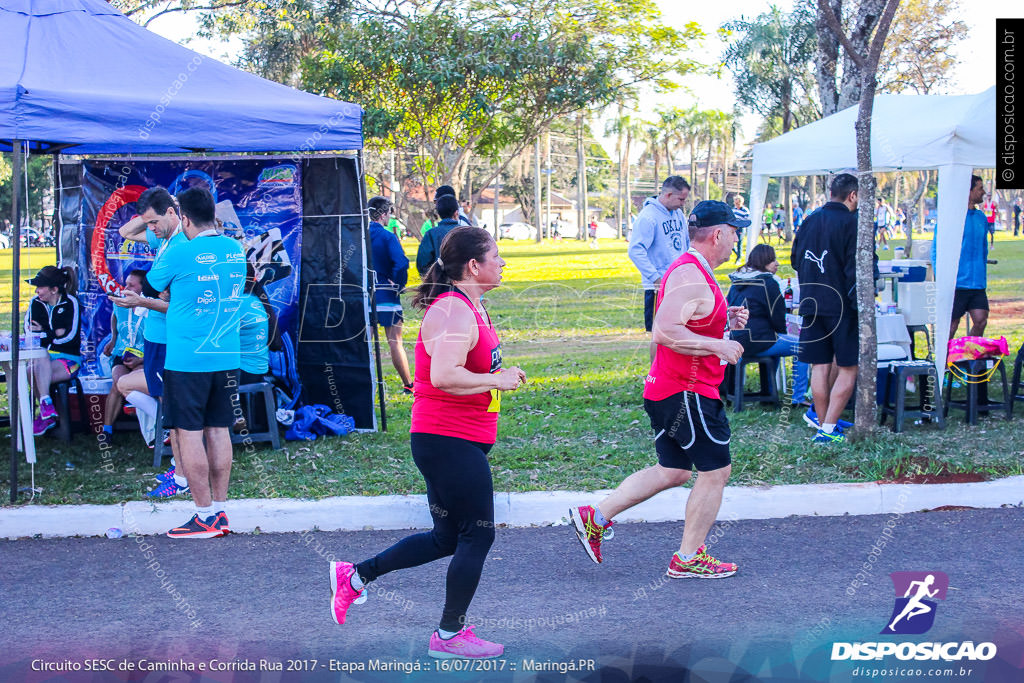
x: 516, y: 231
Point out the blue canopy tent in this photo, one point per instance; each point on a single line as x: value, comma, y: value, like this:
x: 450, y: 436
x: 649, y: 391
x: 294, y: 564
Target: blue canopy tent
x: 78, y: 77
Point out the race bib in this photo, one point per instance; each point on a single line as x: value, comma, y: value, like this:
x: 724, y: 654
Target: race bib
x: 495, y: 405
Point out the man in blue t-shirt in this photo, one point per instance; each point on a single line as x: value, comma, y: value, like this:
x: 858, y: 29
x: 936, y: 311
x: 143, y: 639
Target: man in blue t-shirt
x: 205, y: 276
x: 390, y: 275
x: 972, y: 277
x: 159, y: 225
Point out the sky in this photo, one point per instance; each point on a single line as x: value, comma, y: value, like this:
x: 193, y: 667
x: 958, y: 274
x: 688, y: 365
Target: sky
x: 974, y: 71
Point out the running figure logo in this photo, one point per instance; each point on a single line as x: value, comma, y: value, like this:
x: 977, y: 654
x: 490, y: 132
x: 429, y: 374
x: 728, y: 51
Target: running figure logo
x: 914, y: 612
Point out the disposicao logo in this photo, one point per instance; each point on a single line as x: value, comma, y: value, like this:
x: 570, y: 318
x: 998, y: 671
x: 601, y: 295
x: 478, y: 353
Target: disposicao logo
x: 913, y: 614
x: 206, y: 259
x: 914, y: 611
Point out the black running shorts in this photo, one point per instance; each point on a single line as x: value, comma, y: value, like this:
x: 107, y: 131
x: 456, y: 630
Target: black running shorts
x: 968, y: 300
x: 824, y: 338
x: 691, y: 432
x: 194, y: 400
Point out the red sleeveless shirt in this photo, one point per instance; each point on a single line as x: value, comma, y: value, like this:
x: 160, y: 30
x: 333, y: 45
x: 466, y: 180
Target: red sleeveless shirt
x: 473, y: 417
x: 673, y: 372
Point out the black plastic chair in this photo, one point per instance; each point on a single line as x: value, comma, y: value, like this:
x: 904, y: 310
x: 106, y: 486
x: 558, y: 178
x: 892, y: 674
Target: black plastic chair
x: 246, y: 395
x: 1015, y: 387
x: 896, y: 383
x: 60, y: 391
x: 976, y: 390
x: 735, y: 380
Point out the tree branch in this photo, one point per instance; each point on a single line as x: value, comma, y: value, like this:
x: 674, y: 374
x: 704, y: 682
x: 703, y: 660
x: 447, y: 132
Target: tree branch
x: 882, y: 32
x: 833, y: 24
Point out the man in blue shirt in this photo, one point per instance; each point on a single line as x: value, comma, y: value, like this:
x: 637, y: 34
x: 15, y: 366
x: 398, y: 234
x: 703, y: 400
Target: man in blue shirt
x: 205, y: 276
x: 447, y: 207
x: 390, y: 274
x: 158, y: 224
x: 972, y: 277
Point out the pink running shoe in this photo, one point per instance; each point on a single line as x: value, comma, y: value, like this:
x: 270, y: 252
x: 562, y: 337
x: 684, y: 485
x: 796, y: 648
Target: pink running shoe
x: 464, y: 645
x: 42, y: 425
x: 703, y: 566
x: 46, y: 410
x: 342, y: 593
x: 590, y: 533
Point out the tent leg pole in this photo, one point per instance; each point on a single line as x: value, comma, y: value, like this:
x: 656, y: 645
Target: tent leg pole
x: 368, y: 275
x: 12, y: 381
x: 376, y: 353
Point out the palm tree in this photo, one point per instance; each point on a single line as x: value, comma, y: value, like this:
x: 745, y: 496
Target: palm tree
x: 627, y: 129
x: 672, y: 123
x: 653, y: 146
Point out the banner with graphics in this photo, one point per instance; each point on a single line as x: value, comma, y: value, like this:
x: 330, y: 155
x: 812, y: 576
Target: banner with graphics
x: 259, y: 203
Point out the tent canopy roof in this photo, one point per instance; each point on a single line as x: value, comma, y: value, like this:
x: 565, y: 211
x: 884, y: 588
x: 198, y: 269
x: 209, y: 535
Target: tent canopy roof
x: 908, y: 132
x: 80, y: 77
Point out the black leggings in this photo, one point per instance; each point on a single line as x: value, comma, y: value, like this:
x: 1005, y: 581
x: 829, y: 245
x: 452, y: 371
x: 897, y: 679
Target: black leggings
x: 461, y: 496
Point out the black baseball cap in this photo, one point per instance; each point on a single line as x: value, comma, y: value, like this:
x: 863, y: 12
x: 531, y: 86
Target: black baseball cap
x: 710, y: 212
x: 49, y: 276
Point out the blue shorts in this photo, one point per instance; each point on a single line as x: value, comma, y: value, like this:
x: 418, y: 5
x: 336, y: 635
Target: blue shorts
x: 389, y: 318
x: 153, y: 356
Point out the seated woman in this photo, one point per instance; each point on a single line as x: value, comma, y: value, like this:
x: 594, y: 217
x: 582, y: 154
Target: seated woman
x: 258, y: 330
x: 54, y: 312
x: 754, y: 286
x: 124, y: 347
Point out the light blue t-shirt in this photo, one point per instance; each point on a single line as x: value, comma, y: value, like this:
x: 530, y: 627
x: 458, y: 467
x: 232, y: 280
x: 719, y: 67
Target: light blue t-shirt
x: 973, y: 270
x: 130, y: 329
x: 206, y: 275
x: 254, y: 331
x: 156, y: 323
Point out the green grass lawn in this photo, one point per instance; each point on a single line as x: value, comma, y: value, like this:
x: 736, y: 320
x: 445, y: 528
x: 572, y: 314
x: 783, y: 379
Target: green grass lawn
x: 571, y: 317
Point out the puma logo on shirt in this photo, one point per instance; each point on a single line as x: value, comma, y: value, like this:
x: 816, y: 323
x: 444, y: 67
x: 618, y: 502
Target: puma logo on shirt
x: 819, y: 260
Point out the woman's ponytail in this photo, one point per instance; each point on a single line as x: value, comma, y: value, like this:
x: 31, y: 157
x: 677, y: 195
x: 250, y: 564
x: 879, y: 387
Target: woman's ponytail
x: 458, y: 248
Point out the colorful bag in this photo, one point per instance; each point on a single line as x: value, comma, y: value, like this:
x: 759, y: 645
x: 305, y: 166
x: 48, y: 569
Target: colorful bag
x: 976, y: 348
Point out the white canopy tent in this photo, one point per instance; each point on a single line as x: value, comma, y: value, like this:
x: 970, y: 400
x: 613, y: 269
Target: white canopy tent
x: 952, y: 133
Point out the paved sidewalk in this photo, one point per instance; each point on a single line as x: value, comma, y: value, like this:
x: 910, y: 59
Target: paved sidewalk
x: 249, y: 597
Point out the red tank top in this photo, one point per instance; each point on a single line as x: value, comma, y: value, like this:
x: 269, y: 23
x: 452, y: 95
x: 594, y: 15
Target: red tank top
x: 673, y: 372
x: 473, y: 417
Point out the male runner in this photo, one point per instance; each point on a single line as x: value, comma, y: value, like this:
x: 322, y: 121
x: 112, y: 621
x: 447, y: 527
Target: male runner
x: 681, y: 396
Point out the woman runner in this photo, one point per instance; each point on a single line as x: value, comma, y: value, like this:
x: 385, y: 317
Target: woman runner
x: 456, y: 400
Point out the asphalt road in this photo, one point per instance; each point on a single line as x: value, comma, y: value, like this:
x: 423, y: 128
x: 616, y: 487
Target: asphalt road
x: 242, y: 599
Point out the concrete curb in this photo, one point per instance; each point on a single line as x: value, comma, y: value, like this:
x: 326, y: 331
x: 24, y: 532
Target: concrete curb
x: 535, y: 508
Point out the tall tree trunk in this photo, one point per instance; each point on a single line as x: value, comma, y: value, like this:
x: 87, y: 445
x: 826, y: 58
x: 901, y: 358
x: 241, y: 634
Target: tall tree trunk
x: 693, y: 166
x: 827, y: 61
x: 707, y: 170
x: 868, y: 362
x: 911, y: 211
x: 628, y: 215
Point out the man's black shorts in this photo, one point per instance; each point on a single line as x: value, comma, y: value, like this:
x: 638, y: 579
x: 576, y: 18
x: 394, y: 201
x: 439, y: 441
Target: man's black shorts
x: 968, y: 300
x: 691, y: 432
x: 825, y: 338
x: 193, y: 400
x: 650, y: 296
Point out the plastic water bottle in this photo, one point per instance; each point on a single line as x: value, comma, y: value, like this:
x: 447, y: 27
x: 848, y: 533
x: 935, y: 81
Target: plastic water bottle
x: 114, y: 532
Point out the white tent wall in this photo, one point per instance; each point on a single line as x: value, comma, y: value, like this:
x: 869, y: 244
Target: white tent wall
x: 758, y: 192
x: 954, y: 187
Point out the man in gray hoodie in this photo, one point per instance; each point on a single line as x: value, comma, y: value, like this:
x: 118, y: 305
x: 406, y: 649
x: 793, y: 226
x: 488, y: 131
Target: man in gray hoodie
x: 659, y: 236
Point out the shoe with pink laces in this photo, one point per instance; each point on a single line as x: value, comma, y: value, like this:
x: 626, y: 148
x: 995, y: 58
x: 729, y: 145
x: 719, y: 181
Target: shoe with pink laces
x: 463, y: 645
x: 342, y: 593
